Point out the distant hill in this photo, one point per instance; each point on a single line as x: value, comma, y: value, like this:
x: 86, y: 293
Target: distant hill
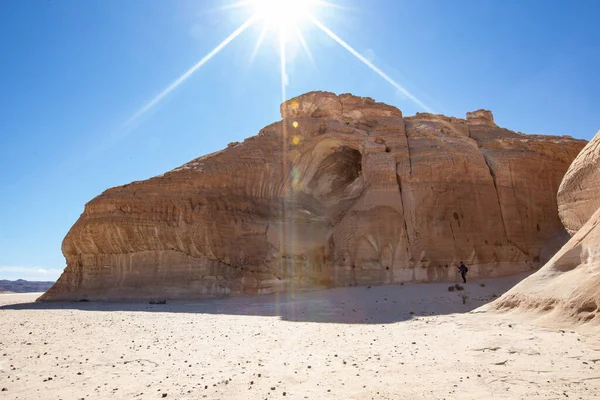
x: 23, y: 286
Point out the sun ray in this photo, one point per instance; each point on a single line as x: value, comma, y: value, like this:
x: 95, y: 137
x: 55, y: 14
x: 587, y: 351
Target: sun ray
x: 284, y: 77
x: 285, y: 229
x: 190, y: 71
x: 369, y: 64
x: 263, y: 33
x: 305, y: 46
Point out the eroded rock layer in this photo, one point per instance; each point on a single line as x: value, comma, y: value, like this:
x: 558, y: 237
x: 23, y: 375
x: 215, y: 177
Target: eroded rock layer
x: 579, y: 191
x: 567, y: 288
x: 342, y: 191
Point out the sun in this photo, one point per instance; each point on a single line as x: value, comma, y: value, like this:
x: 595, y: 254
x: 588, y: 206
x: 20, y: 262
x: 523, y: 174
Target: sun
x: 284, y: 20
x: 283, y: 14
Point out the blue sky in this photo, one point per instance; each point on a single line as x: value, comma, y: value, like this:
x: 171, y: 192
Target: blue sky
x: 73, y: 72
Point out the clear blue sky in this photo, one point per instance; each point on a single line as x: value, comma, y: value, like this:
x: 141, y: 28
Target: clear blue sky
x: 73, y: 72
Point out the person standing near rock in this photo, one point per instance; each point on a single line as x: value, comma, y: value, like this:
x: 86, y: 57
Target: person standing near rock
x: 463, y: 271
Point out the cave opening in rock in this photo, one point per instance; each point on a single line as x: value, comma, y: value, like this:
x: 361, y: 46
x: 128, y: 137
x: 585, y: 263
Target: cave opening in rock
x: 337, y: 171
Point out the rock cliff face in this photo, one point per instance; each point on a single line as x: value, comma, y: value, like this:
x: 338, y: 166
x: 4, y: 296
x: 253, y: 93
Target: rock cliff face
x: 567, y: 288
x: 342, y: 191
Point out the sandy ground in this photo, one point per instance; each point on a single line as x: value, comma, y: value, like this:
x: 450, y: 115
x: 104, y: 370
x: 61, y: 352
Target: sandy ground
x: 384, y: 342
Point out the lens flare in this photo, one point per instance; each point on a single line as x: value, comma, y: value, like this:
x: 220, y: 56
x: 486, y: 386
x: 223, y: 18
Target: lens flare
x: 284, y: 17
x: 190, y: 71
x: 369, y: 64
x: 284, y: 14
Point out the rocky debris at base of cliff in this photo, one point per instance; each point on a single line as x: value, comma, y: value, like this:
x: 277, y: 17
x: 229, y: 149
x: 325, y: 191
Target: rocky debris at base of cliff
x: 342, y: 191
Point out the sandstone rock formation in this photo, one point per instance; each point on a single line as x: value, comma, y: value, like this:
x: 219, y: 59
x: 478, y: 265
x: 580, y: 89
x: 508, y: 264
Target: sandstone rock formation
x: 579, y: 192
x: 567, y: 288
x: 342, y: 191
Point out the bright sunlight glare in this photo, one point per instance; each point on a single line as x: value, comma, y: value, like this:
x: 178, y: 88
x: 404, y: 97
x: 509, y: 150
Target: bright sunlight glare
x: 284, y: 14
x: 284, y: 19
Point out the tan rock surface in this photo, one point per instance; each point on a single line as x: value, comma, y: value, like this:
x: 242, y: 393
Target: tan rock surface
x: 342, y: 191
x: 567, y: 288
x: 579, y: 192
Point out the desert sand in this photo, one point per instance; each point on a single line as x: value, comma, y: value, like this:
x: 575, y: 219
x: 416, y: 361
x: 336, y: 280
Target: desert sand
x: 416, y: 341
